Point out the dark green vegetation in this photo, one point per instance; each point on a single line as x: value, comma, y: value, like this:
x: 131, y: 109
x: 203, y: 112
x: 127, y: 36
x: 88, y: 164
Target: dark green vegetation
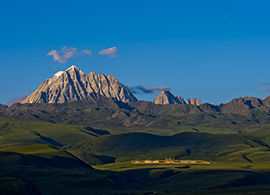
x: 51, y: 148
x: 34, y: 168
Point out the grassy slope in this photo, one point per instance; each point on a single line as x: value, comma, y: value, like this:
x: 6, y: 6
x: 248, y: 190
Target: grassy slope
x: 217, y: 178
x: 51, y: 170
x: 13, y: 185
x: 56, y: 171
x: 39, y: 167
x: 20, y: 130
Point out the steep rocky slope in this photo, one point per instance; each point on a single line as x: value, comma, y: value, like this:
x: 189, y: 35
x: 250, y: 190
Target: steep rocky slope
x: 194, y: 101
x: 166, y: 97
x: 3, y: 107
x: 73, y: 85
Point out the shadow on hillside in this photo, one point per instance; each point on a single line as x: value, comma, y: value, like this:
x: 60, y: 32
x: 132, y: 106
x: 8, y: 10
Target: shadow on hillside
x: 48, y: 140
x: 49, y: 160
x: 106, y: 159
x: 98, y: 131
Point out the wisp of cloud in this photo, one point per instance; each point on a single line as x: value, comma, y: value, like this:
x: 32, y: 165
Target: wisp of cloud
x: 64, y: 54
x: 264, y: 89
x: 111, y: 52
x: 142, y: 89
x: 263, y: 82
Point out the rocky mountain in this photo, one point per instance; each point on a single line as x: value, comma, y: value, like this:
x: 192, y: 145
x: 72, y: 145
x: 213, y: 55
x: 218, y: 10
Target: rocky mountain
x: 166, y: 97
x: 73, y: 85
x: 244, y: 104
x: 3, y: 107
x: 194, y: 101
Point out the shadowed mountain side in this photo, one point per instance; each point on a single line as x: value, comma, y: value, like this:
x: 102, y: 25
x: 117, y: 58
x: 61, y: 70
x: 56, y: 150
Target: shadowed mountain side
x: 3, y: 107
x: 209, y: 147
x: 266, y: 101
x: 241, y: 105
x: 173, y: 109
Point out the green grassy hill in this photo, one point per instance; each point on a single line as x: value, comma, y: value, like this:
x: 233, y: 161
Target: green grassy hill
x: 200, y: 146
x: 21, y: 130
x: 39, y: 155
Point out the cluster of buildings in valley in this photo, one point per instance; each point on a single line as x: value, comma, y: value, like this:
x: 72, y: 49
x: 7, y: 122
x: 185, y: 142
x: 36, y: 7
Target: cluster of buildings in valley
x: 169, y: 161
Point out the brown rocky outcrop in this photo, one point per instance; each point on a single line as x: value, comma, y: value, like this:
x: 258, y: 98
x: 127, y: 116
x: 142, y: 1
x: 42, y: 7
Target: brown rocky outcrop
x: 166, y: 97
x: 194, y: 101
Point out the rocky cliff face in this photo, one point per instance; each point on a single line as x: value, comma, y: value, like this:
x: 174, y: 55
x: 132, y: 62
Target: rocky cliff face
x: 165, y: 97
x: 244, y: 104
x: 194, y: 101
x: 181, y: 100
x: 73, y: 84
x: 3, y: 107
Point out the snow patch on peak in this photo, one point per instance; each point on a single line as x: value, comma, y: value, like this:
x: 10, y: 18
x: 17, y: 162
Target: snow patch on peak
x: 71, y: 67
x: 55, y: 76
x: 58, y: 74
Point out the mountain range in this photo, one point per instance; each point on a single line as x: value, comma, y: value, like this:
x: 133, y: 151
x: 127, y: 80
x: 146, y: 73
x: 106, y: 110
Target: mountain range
x: 100, y: 101
x: 73, y: 85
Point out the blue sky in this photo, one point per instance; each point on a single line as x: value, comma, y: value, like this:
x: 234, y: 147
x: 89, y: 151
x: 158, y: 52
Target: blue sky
x: 212, y: 50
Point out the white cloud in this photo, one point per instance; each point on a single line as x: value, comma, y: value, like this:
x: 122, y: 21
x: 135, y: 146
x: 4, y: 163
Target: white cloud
x: 264, y: 89
x: 111, y: 52
x: 86, y: 51
x: 263, y: 82
x: 64, y: 54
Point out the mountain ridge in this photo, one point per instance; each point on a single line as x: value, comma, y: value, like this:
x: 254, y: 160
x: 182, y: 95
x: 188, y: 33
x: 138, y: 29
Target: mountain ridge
x: 99, y: 112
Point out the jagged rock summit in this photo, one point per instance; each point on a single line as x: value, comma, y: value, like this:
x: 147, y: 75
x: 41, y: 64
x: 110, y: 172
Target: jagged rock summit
x: 73, y: 85
x: 194, y: 101
x: 166, y: 97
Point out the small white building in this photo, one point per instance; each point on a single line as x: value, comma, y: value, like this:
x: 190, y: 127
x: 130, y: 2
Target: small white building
x: 151, y: 161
